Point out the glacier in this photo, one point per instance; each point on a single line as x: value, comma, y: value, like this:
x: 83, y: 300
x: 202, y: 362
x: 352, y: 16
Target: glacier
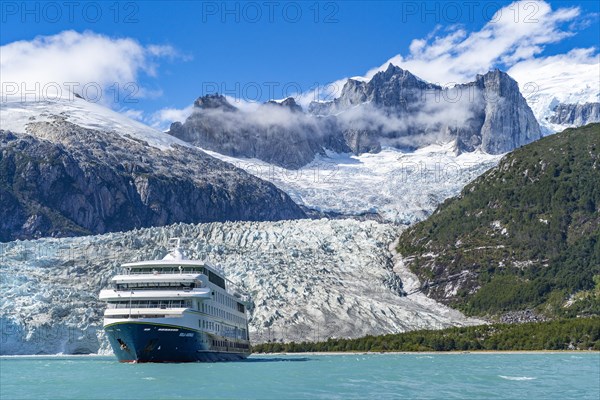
x: 16, y: 114
x: 396, y: 186
x: 308, y: 280
x: 550, y: 88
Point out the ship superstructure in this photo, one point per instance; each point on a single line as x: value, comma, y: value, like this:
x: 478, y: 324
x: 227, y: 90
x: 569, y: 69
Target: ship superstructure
x: 175, y: 310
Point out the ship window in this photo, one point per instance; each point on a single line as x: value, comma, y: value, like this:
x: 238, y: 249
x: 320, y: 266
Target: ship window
x: 216, y: 279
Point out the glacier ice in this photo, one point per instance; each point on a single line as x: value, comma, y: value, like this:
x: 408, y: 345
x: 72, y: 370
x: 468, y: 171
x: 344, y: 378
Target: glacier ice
x: 308, y: 279
x: 16, y: 113
x: 393, y: 185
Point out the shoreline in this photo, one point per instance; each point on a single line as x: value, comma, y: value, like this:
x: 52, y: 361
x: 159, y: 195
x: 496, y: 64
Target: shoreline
x: 352, y: 353
x: 340, y: 353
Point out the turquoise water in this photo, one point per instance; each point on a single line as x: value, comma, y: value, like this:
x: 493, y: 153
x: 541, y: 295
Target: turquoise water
x: 357, y: 376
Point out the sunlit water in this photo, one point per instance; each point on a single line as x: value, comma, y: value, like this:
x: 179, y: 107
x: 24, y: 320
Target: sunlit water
x: 356, y: 376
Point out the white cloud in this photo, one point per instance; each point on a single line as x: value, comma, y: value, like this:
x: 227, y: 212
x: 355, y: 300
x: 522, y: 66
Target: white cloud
x: 514, y: 39
x: 326, y: 92
x: 515, y: 33
x: 243, y: 105
x: 72, y: 60
x: 163, y: 118
x: 576, y: 73
x: 133, y: 114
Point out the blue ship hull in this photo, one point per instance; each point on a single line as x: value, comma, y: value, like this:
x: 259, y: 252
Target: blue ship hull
x: 148, y: 342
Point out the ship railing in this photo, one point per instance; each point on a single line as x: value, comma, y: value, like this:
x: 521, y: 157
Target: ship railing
x: 171, y: 288
x: 159, y: 305
x: 160, y: 271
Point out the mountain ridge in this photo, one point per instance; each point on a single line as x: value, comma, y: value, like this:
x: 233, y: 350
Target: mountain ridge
x: 58, y: 178
x: 395, y: 108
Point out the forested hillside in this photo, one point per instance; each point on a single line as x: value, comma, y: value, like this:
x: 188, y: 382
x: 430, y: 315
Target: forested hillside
x: 526, y: 234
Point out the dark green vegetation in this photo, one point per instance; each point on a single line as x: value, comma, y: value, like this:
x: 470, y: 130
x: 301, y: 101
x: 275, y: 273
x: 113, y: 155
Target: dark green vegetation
x: 523, y: 235
x: 575, y: 333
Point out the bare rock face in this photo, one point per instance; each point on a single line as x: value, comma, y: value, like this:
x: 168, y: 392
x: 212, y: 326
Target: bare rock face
x: 362, y: 141
x: 279, y: 133
x: 575, y: 115
x: 395, y: 108
x: 394, y: 90
x: 509, y: 122
x: 489, y: 113
x: 65, y: 180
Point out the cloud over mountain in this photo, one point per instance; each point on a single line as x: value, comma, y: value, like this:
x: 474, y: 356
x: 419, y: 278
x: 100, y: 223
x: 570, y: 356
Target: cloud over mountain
x: 93, y: 65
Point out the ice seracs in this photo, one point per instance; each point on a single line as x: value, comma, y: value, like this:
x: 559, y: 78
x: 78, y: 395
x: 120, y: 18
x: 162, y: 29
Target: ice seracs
x: 393, y: 185
x: 308, y: 280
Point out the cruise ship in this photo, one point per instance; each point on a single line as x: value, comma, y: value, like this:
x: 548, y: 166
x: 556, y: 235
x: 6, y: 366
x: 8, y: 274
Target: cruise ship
x: 175, y: 310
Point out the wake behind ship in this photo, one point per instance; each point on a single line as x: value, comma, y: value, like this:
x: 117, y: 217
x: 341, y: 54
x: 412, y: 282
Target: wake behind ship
x: 174, y: 310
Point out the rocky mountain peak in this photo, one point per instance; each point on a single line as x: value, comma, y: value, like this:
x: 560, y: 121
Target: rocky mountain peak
x: 497, y: 80
x: 289, y: 103
x: 352, y: 93
x: 509, y: 122
x: 214, y: 101
x: 395, y: 108
x: 395, y: 73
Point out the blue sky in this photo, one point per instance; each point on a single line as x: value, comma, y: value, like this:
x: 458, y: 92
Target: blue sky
x: 258, y: 50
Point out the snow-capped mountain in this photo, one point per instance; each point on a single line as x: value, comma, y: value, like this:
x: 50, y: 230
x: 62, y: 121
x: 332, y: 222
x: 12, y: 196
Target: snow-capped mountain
x: 574, y: 115
x: 555, y: 115
x: 69, y: 167
x: 276, y: 132
x: 391, y: 148
x: 17, y: 113
x: 308, y: 279
x: 561, y: 101
x: 394, y: 109
x: 402, y: 110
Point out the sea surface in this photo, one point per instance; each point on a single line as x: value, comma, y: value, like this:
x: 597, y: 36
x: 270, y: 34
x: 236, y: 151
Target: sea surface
x: 349, y: 376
